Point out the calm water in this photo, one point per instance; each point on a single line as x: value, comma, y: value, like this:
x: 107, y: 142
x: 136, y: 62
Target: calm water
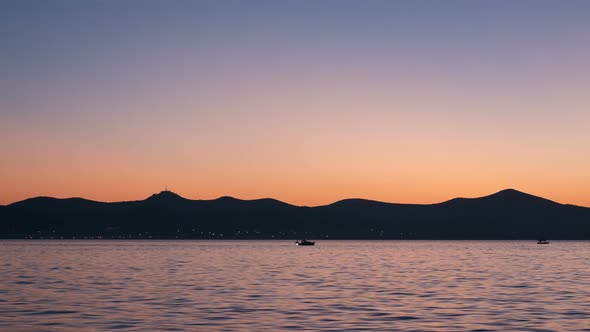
x: 274, y: 285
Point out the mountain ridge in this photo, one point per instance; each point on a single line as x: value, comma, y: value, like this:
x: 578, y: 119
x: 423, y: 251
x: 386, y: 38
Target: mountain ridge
x: 507, y: 214
x: 167, y: 194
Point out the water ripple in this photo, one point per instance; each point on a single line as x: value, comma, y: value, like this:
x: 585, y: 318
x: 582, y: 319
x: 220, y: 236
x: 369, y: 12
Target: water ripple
x: 272, y: 285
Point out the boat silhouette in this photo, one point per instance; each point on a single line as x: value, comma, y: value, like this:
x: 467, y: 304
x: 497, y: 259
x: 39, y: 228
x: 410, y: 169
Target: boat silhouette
x: 304, y: 243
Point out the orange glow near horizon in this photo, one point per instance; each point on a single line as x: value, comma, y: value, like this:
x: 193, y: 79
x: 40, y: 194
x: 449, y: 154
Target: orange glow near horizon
x: 310, y: 157
x: 293, y: 189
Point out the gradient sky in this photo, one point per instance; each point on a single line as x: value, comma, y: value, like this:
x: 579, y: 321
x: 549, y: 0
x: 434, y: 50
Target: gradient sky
x: 308, y: 102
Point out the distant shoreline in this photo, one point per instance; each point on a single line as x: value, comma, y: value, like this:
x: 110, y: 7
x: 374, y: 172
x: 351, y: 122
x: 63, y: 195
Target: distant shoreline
x: 283, y: 240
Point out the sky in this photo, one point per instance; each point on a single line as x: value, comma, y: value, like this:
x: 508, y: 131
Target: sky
x: 308, y: 102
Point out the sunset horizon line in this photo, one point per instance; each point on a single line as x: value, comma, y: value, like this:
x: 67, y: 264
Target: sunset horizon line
x: 167, y: 190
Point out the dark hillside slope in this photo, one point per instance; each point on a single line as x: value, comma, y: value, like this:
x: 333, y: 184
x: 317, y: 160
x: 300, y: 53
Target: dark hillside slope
x: 508, y: 214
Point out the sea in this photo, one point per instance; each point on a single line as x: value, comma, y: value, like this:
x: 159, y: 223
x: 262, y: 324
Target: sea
x: 213, y: 285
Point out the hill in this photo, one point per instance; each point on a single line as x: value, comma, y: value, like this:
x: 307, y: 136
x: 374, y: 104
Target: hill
x: 508, y: 214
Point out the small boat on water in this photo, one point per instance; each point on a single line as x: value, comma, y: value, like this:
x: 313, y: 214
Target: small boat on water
x: 304, y: 243
x: 542, y: 241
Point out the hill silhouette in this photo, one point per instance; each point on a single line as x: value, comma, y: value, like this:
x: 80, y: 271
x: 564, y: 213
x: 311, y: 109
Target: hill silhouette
x: 508, y: 214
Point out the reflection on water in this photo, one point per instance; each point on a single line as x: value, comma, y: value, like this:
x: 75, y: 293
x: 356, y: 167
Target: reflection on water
x: 274, y: 285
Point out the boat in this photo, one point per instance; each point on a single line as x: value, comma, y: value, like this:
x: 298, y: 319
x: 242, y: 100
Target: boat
x: 542, y: 241
x: 304, y: 243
